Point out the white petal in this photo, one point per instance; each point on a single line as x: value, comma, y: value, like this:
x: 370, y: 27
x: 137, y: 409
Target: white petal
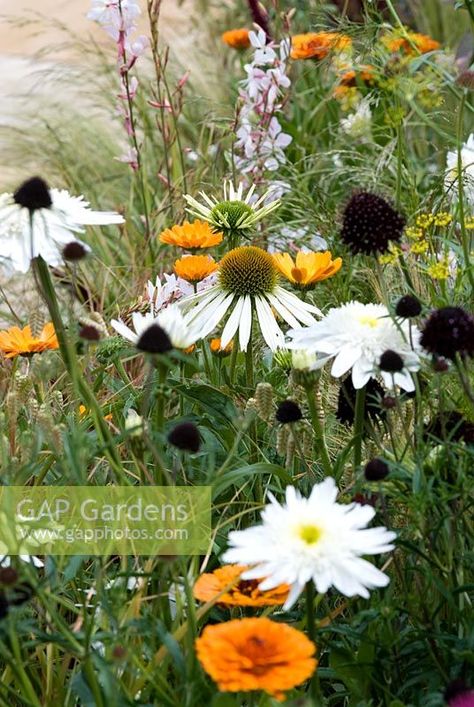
x: 283, y: 311
x: 344, y: 360
x: 245, y: 326
x: 232, y: 324
x: 271, y: 332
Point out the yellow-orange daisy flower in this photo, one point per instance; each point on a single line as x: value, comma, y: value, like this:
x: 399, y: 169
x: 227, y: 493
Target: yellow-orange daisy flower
x: 241, y: 593
x: 83, y: 412
x: 21, y: 342
x: 317, y: 45
x: 216, y: 347
x: 195, y: 268
x: 191, y: 235
x: 411, y: 44
x: 237, y: 38
x: 308, y: 268
x: 256, y: 654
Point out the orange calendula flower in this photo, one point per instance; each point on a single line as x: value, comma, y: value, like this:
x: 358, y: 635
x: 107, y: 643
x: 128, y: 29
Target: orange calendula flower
x: 308, y: 268
x: 83, y: 412
x: 191, y: 235
x: 216, y: 347
x: 411, y: 44
x: 256, y: 654
x: 236, y: 38
x: 195, y: 268
x: 21, y: 342
x: 317, y: 45
x: 241, y: 593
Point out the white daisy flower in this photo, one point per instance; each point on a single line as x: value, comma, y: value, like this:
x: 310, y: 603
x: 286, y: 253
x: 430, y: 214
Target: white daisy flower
x: 6, y: 560
x: 355, y: 336
x: 247, y: 283
x: 234, y: 215
x: 170, y: 320
x: 57, y: 216
x: 312, y: 539
x: 451, y: 179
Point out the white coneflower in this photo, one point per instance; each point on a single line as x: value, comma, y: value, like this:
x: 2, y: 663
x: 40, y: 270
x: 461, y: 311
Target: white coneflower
x: 160, y: 333
x: 247, y: 283
x: 355, y: 336
x: 234, y: 215
x: 451, y: 179
x: 312, y: 539
x: 54, y: 216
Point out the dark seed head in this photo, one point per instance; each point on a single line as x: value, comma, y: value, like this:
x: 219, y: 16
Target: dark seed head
x: 376, y: 470
x: 370, y: 223
x: 440, y: 365
x: 74, y: 251
x: 391, y: 362
x: 154, y: 340
x: 8, y: 576
x: 89, y: 333
x: 33, y: 194
x: 288, y: 411
x: 374, y: 394
x: 449, y: 331
x: 185, y: 436
x: 389, y: 402
x: 408, y: 307
x: 466, y: 80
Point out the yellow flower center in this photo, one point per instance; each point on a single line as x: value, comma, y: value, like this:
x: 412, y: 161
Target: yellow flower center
x: 247, y: 270
x: 310, y: 534
x: 367, y: 320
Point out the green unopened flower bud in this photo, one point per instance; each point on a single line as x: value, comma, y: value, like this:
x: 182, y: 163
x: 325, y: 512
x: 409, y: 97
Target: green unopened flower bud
x: 282, y: 359
x: 264, y: 400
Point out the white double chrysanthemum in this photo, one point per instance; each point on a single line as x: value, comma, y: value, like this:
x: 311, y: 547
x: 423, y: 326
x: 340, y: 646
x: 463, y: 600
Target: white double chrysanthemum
x: 170, y: 319
x: 312, y: 539
x: 355, y: 336
x: 53, y: 228
x: 247, y: 284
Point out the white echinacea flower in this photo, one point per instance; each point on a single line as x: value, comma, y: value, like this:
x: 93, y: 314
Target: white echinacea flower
x: 451, y: 179
x: 56, y: 218
x: 171, y: 320
x: 355, y: 336
x: 312, y: 539
x: 247, y: 283
x: 234, y: 215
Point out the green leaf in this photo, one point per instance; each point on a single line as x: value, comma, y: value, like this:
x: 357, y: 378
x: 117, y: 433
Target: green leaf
x: 236, y: 476
x: 211, y: 399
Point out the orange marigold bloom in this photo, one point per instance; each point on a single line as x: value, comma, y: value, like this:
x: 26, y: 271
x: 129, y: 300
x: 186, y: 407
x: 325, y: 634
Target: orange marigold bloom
x: 217, y: 350
x: 241, y: 593
x: 237, y: 38
x: 83, y: 412
x: 21, y: 342
x: 191, y: 235
x: 308, y: 268
x: 195, y: 268
x: 256, y: 654
x: 412, y: 44
x: 317, y: 45
x: 365, y: 74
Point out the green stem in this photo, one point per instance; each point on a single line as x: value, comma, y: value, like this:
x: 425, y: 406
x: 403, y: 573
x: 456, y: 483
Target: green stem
x: 68, y: 353
x: 318, y: 431
x: 359, y: 426
x: 233, y: 360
